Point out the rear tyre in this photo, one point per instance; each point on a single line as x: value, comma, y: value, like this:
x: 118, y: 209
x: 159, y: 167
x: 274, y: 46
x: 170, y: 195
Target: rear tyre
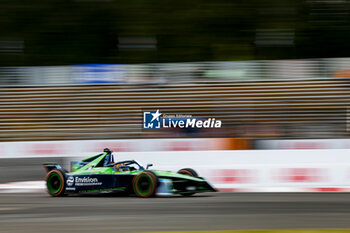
x: 145, y: 184
x: 56, y: 182
x: 189, y: 172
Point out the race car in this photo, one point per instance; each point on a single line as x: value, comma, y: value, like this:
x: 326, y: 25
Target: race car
x: 100, y: 173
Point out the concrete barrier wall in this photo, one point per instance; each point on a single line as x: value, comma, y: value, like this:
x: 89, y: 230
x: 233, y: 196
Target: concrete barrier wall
x: 291, y: 144
x: 230, y: 170
x: 258, y: 170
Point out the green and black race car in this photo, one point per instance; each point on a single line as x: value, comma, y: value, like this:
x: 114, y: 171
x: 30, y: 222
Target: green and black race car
x: 100, y: 174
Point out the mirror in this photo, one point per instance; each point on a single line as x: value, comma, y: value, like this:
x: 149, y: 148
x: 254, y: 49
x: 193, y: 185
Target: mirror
x: 149, y: 165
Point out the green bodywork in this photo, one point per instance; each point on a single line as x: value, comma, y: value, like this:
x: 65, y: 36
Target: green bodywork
x: 91, y: 168
x: 170, y: 181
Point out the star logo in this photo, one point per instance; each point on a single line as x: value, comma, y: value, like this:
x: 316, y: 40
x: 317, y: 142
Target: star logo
x: 156, y: 115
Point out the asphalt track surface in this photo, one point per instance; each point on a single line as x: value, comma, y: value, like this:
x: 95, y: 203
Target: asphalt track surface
x: 212, y: 211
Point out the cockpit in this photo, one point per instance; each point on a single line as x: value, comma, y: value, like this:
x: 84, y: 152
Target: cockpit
x: 129, y: 165
x: 106, y: 159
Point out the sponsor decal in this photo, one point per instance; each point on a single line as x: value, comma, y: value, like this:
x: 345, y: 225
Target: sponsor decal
x: 86, y: 181
x: 155, y: 120
x: 70, y: 181
x: 300, y: 175
x: 234, y: 176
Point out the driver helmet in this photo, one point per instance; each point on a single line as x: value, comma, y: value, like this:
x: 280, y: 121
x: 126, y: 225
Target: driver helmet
x: 121, y: 167
x: 118, y: 166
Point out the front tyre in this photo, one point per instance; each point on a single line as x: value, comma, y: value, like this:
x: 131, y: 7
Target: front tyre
x: 188, y: 171
x: 145, y: 184
x: 56, y: 182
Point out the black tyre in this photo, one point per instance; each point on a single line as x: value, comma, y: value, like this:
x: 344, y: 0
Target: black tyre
x: 188, y: 171
x: 145, y: 184
x: 56, y: 182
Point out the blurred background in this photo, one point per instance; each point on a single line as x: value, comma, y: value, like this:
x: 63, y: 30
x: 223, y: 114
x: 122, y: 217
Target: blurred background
x: 77, y: 75
x: 276, y: 73
x: 86, y: 69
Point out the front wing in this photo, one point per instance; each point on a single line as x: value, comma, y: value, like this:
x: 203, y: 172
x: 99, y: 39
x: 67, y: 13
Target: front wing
x: 182, y: 186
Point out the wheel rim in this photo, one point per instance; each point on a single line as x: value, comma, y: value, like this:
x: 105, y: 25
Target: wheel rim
x: 54, y: 183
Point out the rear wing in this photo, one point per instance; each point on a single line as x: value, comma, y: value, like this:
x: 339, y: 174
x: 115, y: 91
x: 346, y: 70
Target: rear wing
x: 50, y: 166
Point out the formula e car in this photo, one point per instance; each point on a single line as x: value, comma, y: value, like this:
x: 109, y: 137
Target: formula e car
x: 100, y: 173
